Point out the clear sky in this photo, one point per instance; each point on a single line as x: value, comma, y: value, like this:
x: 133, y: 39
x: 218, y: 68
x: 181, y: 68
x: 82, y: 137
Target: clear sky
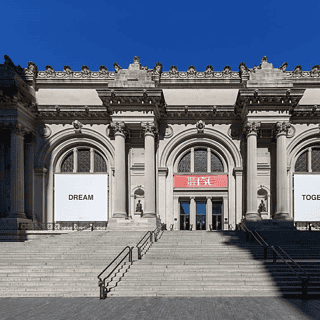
x: 181, y: 33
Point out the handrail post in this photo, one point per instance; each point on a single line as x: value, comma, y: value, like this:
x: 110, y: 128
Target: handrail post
x: 102, y: 289
x: 150, y: 236
x: 274, y: 257
x: 130, y: 255
x: 265, y: 253
x: 139, y: 253
x: 155, y: 237
x: 304, y: 287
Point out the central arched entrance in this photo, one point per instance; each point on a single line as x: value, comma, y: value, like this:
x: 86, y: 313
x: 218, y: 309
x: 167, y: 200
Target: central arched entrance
x: 200, y: 184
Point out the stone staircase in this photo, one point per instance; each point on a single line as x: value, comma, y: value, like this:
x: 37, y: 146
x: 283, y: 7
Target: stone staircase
x: 201, y: 263
x: 60, y: 266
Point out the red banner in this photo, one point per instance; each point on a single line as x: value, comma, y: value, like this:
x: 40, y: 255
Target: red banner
x: 201, y: 181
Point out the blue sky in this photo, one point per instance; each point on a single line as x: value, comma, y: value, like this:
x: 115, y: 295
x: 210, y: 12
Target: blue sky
x: 198, y: 33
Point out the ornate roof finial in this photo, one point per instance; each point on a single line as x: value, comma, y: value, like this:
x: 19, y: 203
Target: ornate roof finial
x: 117, y: 68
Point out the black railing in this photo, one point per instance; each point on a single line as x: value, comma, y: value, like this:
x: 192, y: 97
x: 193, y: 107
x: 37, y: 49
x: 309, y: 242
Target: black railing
x: 102, y: 282
x: 191, y: 226
x: 210, y: 227
x: 304, y: 279
x: 148, y: 238
x: 255, y: 235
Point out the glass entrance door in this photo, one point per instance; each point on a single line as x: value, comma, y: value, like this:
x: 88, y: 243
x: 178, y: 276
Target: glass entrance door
x: 216, y: 215
x: 184, y: 215
x: 201, y: 215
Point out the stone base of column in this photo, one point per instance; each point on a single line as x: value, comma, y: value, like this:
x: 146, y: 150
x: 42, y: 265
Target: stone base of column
x: 253, y: 216
x: 283, y: 216
x: 12, y: 223
x: 120, y: 215
x: 149, y: 215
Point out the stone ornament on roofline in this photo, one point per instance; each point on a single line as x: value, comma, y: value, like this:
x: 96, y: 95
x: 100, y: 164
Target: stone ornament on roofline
x: 173, y: 72
x: 283, y: 67
x: 117, y: 68
x: 157, y: 70
x: 77, y: 125
x: 191, y: 72
x: 200, y: 126
x: 243, y: 70
x: 67, y: 72
x: 50, y: 73
x: 85, y: 72
x: 297, y: 72
x: 209, y: 71
x: 226, y: 72
x: 315, y: 71
x: 32, y: 69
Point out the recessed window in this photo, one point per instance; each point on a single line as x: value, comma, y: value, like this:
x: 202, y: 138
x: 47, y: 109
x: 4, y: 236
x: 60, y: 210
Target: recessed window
x: 201, y: 158
x: 308, y: 161
x: 88, y: 160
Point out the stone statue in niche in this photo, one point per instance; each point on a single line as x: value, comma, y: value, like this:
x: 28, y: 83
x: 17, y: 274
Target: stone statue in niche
x: 262, y: 207
x: 139, y: 207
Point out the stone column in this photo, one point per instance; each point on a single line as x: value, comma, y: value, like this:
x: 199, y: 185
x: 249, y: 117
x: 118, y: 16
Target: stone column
x: 193, y: 213
x: 282, y: 209
x: 39, y: 214
x: 252, y: 130
x: 29, y: 176
x: 17, y: 172
x: 120, y: 170
x: 192, y: 160
x: 208, y: 213
x: 75, y: 160
x: 238, y: 177
x: 149, y: 171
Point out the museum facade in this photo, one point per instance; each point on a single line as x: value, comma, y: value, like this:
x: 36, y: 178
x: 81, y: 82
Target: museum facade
x: 194, y: 150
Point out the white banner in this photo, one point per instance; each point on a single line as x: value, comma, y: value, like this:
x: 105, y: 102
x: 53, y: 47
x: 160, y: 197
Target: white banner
x: 81, y: 197
x: 307, y: 197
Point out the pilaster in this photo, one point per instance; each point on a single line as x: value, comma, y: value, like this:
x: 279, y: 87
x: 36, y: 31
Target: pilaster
x: 209, y: 212
x: 193, y: 212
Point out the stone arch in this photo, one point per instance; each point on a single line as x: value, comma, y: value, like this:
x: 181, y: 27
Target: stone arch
x: 295, y: 148
x: 211, y: 138
x: 58, y: 145
x: 62, y: 137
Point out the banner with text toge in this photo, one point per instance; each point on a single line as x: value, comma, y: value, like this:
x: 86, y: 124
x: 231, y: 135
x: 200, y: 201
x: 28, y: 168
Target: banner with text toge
x: 81, y: 197
x: 200, y: 181
x: 306, y: 197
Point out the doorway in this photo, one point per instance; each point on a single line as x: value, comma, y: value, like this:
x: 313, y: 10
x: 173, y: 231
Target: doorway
x: 201, y: 215
x: 184, y: 215
x: 216, y: 215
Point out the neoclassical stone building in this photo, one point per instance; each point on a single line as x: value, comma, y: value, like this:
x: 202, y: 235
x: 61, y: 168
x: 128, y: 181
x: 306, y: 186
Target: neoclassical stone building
x: 192, y: 149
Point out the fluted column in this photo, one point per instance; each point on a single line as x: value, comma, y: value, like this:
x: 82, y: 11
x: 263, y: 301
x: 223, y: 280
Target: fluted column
x: 17, y: 172
x: 193, y: 213
x: 120, y: 170
x: 29, y: 177
x: 149, y: 172
x: 282, y: 210
x: 252, y: 130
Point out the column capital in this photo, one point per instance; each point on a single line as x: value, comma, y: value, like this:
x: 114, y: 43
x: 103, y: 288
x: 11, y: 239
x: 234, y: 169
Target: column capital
x: 119, y: 128
x: 252, y: 127
x: 17, y: 129
x: 192, y: 198
x: 40, y: 171
x: 149, y: 128
x: 209, y: 198
x: 281, y: 128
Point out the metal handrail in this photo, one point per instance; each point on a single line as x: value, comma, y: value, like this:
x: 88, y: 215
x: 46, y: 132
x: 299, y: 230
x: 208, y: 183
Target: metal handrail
x: 102, y: 282
x: 210, y: 227
x: 171, y: 227
x: 304, y: 280
x: 151, y: 234
x: 190, y: 227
